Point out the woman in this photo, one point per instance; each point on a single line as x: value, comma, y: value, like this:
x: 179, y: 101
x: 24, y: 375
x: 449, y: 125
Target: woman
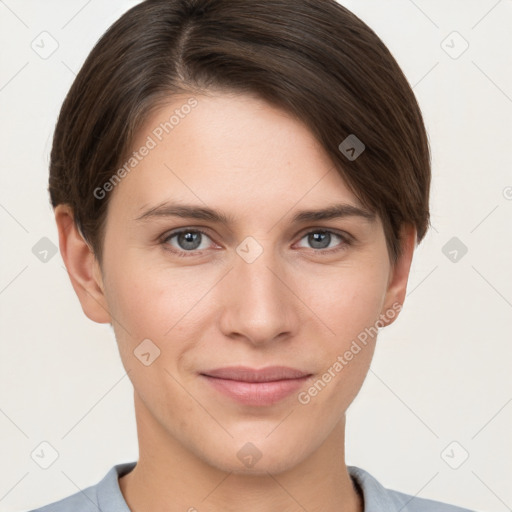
x: 239, y: 188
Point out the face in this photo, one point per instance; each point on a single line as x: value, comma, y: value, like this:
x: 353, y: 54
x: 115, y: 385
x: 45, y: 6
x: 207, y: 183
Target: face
x: 257, y: 288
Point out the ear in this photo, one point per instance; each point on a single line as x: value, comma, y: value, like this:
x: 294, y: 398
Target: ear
x: 398, y: 276
x: 82, y: 266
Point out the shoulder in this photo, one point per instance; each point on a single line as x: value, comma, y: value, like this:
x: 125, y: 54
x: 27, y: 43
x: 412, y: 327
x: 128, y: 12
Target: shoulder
x: 380, y: 499
x: 105, y: 495
x: 408, y: 503
x: 82, y: 501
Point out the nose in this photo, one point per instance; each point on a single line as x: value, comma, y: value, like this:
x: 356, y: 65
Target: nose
x: 258, y: 301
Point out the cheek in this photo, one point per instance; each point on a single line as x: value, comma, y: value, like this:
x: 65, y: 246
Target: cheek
x: 348, y: 299
x: 349, y: 303
x: 147, y: 300
x: 347, y: 354
x: 163, y: 305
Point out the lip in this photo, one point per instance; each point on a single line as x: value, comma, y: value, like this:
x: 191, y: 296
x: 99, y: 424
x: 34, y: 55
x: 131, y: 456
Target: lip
x: 256, y: 387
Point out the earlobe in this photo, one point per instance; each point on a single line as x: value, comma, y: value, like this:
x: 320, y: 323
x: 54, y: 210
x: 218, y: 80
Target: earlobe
x: 82, y: 266
x: 399, y: 276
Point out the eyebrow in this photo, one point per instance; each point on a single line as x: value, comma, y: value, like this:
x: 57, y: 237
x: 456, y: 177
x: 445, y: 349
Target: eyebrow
x: 334, y: 211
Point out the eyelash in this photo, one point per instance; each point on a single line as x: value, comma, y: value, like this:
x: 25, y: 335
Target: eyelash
x: 346, y: 242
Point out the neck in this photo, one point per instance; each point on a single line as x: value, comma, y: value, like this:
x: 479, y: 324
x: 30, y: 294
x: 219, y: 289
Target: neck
x: 169, y: 477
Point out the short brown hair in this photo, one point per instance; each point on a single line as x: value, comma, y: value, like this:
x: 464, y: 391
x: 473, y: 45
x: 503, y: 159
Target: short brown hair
x: 312, y: 58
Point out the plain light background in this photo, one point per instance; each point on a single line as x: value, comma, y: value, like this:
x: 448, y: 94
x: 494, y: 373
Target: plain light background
x: 439, y: 388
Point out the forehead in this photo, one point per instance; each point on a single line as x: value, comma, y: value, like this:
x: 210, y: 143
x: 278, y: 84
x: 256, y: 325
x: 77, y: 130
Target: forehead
x: 228, y: 149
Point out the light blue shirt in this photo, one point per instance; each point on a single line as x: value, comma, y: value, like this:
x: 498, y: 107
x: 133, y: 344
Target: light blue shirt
x: 106, y: 496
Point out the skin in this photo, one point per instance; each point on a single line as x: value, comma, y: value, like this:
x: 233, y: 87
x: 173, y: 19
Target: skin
x: 291, y: 306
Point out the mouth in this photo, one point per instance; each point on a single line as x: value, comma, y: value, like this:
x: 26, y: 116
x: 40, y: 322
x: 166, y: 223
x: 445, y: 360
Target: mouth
x: 256, y: 387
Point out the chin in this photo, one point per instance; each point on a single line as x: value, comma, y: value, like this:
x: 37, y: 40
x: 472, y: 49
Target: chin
x: 249, y: 460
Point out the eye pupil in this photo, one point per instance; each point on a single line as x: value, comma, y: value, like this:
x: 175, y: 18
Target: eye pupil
x: 320, y: 236
x: 188, y: 239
